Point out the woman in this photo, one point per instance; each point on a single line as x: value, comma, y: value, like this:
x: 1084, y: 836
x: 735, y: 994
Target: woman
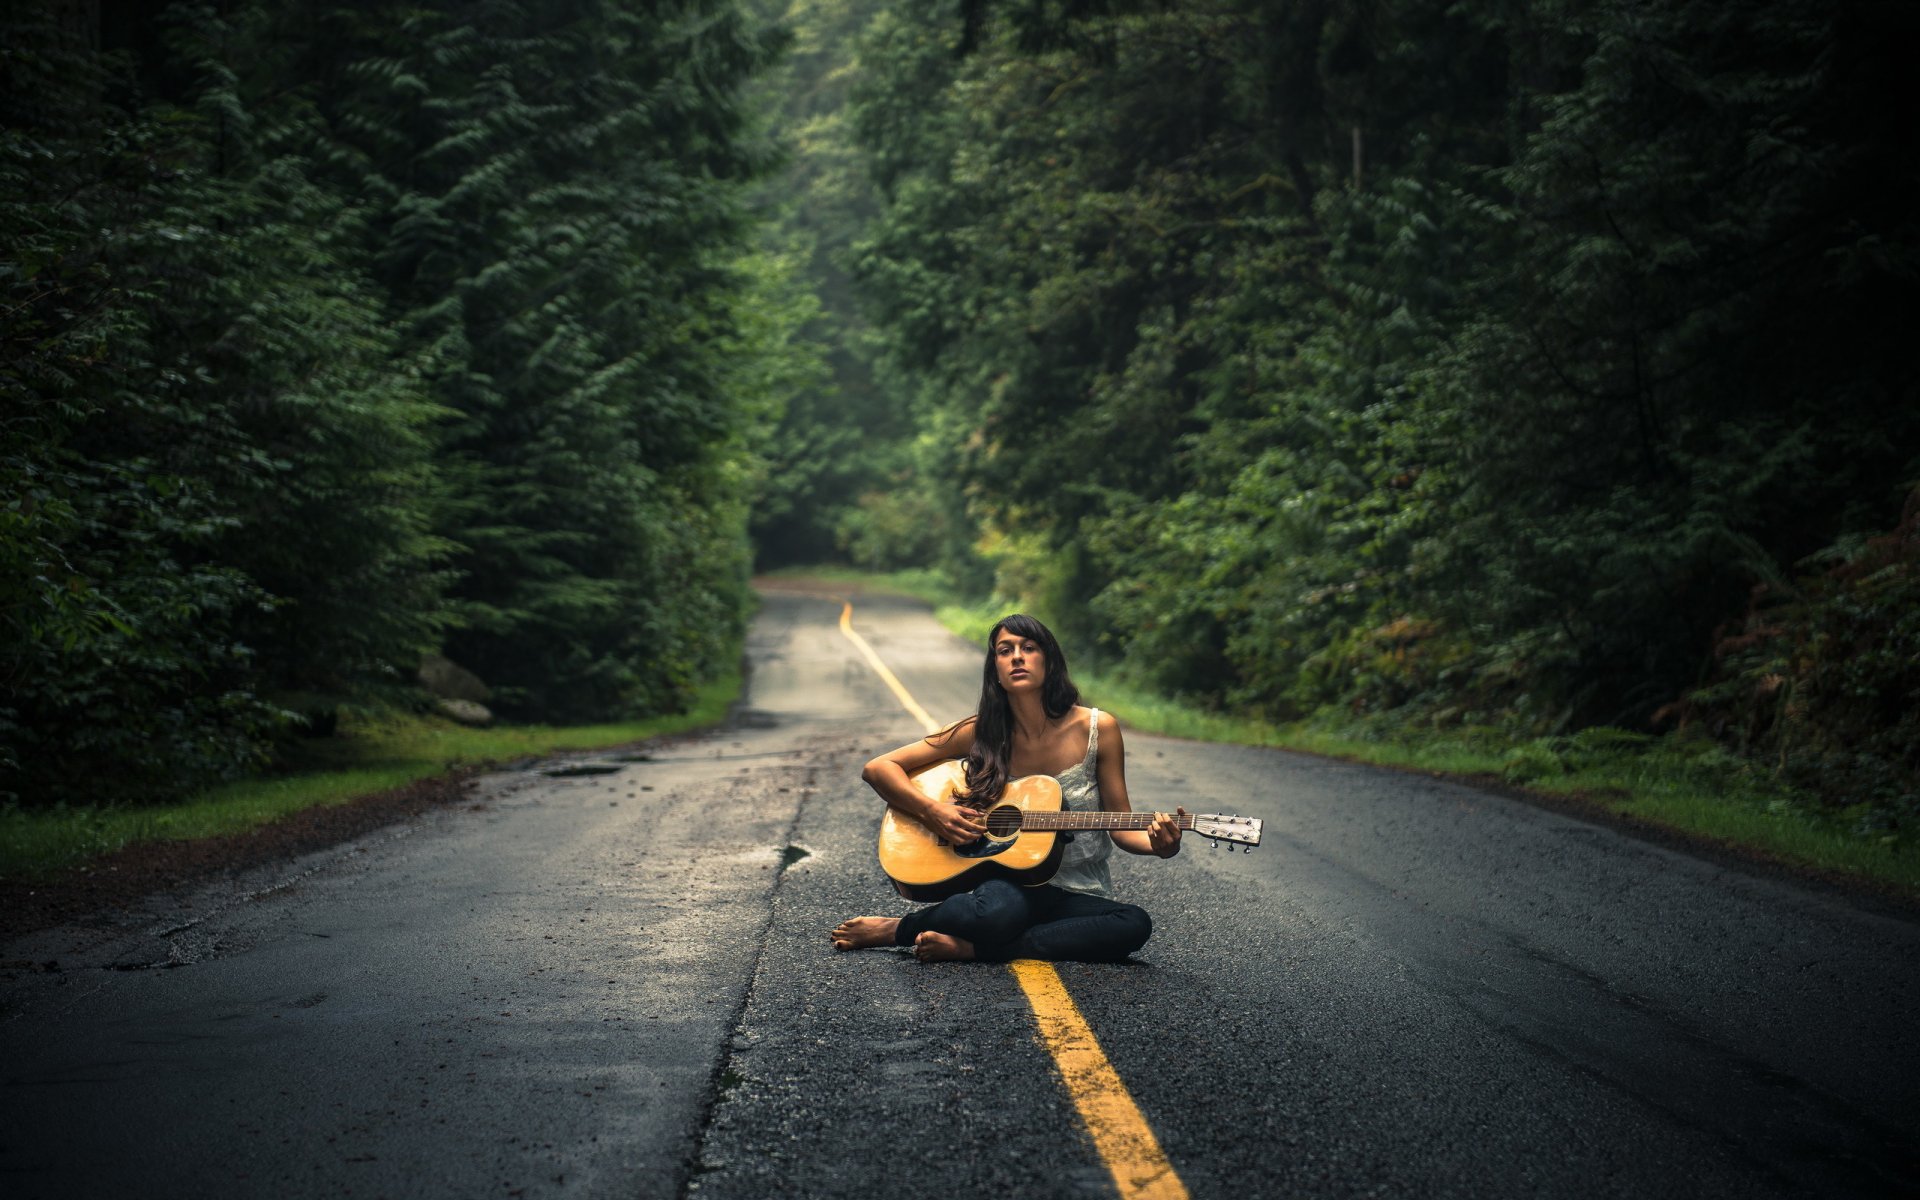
x: 1030, y: 722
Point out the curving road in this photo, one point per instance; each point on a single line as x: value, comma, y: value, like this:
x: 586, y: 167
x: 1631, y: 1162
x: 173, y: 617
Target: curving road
x: 619, y: 984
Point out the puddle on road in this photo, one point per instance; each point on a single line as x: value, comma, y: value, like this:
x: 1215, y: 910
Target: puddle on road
x: 573, y: 769
x: 780, y: 858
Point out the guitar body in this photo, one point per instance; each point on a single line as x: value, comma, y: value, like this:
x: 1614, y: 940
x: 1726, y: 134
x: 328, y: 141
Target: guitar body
x: 923, y: 867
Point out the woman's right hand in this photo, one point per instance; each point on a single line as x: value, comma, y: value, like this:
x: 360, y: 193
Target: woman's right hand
x: 955, y: 824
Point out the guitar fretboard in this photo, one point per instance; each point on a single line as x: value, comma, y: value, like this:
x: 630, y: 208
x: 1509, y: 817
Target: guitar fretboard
x: 1094, y: 820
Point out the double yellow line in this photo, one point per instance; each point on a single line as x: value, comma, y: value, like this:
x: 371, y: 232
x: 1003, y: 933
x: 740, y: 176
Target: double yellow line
x: 1120, y: 1134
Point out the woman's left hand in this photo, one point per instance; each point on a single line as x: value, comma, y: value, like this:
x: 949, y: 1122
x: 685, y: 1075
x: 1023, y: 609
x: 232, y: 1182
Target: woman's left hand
x: 1163, y: 836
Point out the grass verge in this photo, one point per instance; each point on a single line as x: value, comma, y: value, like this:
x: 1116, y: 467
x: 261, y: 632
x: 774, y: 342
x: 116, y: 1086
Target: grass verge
x: 365, y: 758
x: 1690, y: 787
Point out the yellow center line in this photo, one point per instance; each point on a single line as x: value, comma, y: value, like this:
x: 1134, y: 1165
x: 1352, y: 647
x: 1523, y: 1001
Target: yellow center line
x: 887, y: 677
x: 1121, y: 1135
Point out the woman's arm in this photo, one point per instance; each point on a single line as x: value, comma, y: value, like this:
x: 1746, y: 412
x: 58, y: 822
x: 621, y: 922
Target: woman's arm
x: 953, y: 824
x: 1162, y: 840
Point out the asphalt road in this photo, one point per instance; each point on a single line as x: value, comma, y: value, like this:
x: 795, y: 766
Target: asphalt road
x: 620, y: 985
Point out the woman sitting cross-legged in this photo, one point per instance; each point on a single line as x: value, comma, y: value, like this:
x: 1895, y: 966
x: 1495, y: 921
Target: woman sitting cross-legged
x: 1030, y: 722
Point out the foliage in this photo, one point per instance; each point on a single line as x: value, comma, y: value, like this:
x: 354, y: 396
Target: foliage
x: 1468, y: 364
x: 121, y: 667
x: 841, y: 443
x: 564, y: 189
x: 1823, y: 679
x: 336, y: 334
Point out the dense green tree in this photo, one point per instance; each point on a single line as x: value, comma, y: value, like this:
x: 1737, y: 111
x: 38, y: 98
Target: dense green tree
x: 211, y: 464
x: 339, y: 333
x: 564, y: 189
x: 1474, y: 363
x: 1680, y: 361
x: 839, y: 462
x: 1527, y: 363
x: 270, y: 316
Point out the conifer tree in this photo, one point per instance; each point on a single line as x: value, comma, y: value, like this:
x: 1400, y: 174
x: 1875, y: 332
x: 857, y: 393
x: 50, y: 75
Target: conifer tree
x: 564, y: 192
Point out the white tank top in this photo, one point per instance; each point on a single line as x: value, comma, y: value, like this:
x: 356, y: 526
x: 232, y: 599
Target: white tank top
x: 1083, y: 866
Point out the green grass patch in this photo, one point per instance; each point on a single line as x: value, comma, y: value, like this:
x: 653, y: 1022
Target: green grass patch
x: 1691, y: 786
x: 367, y: 756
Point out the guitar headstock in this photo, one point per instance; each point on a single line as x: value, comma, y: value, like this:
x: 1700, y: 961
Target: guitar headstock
x: 1235, y: 831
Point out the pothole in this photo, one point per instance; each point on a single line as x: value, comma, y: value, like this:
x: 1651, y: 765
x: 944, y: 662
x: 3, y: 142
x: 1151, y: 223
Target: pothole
x: 792, y: 855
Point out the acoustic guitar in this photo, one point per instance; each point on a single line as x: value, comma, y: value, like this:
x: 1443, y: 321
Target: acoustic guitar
x: 1023, y: 842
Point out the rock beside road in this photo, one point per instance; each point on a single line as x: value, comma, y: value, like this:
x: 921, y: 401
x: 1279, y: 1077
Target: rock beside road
x: 450, y: 681
x: 467, y: 712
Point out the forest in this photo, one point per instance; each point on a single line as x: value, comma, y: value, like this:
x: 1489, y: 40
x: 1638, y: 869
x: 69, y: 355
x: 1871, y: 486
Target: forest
x: 340, y: 334
x: 1512, y: 364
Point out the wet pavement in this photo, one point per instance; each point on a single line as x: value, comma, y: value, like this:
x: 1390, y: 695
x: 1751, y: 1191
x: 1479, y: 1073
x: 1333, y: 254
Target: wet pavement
x: 619, y: 984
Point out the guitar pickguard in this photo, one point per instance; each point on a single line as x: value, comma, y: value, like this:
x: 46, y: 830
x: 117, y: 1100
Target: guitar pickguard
x: 985, y: 847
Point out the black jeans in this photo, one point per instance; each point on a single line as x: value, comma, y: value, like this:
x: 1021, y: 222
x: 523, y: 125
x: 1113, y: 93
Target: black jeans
x: 1006, y: 921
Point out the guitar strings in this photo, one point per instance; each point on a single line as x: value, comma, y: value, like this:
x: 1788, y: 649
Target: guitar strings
x: 1012, y: 818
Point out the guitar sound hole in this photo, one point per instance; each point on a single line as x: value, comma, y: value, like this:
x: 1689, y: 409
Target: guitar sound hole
x: 1003, y: 822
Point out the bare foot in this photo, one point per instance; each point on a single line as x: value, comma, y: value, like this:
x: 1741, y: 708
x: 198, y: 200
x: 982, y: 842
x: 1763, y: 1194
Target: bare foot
x: 942, y: 947
x: 860, y: 933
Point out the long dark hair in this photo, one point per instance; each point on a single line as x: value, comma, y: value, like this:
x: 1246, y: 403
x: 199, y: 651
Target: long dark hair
x: 987, y: 762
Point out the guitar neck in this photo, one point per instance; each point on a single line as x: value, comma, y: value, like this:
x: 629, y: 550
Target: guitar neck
x: 1069, y: 820
x: 1243, y: 832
